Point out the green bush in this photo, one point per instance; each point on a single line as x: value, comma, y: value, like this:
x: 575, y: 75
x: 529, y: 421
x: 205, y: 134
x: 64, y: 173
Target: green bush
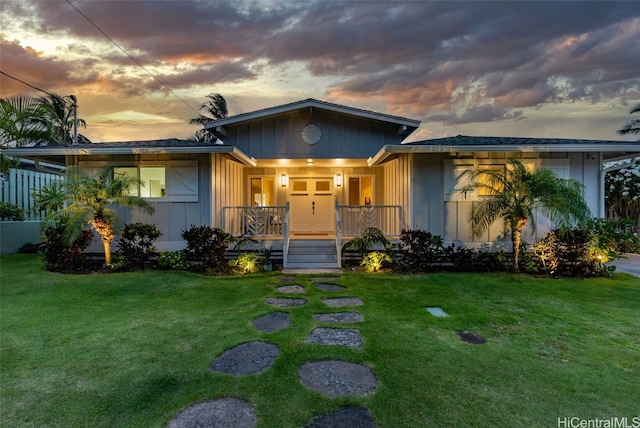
x: 206, y: 247
x: 421, y: 251
x: 11, y: 212
x: 615, y: 234
x: 135, y: 246
x: 246, y: 262
x: 172, y: 260
x: 58, y: 254
x: 376, y: 260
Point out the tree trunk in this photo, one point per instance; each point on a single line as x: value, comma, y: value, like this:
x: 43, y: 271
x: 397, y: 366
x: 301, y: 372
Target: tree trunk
x: 516, y: 240
x: 105, y: 230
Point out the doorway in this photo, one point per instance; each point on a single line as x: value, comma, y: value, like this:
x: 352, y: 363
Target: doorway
x: 311, y: 202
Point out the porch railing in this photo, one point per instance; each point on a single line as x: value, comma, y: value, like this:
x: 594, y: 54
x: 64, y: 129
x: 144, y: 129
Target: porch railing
x: 355, y: 219
x: 254, y: 221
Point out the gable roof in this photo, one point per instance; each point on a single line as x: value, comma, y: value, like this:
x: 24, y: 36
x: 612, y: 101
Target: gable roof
x: 504, y: 144
x: 310, y: 103
x: 170, y: 145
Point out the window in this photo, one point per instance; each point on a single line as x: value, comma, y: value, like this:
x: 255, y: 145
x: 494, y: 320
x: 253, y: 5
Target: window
x: 152, y: 180
x: 262, y: 191
x: 360, y: 190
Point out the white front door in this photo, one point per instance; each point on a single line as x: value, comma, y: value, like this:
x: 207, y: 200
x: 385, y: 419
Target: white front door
x: 311, y: 204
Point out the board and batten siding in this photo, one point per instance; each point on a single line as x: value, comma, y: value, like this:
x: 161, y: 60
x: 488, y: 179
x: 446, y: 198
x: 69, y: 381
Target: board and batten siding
x: 439, y: 207
x: 226, y: 186
x: 342, y: 136
x: 397, y: 187
x: 186, y: 202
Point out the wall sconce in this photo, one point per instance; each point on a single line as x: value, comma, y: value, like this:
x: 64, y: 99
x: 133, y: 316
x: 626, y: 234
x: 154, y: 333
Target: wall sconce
x: 284, y: 180
x: 338, y: 180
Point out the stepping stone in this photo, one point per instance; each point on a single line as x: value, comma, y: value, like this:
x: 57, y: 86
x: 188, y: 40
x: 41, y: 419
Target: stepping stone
x: 328, y: 287
x: 326, y: 278
x: 221, y: 413
x: 342, y: 301
x: 284, y: 302
x: 472, y: 338
x: 337, y: 378
x: 272, y: 322
x: 339, y: 317
x: 352, y: 417
x: 286, y: 278
x: 248, y: 358
x: 291, y: 289
x: 437, y: 312
x: 349, y: 337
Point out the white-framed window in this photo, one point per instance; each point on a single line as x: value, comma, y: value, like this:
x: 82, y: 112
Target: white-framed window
x: 360, y: 190
x: 152, y: 180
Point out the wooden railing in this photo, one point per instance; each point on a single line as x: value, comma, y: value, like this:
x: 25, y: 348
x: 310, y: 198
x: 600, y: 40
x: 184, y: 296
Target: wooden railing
x: 355, y: 219
x: 254, y: 221
x: 338, y: 232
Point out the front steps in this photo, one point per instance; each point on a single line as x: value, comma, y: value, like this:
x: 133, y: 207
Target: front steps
x: 312, y: 254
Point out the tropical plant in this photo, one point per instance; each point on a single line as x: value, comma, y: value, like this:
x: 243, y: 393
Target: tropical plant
x: 513, y: 194
x: 375, y: 260
x: 11, y: 212
x: 622, y: 192
x: 22, y: 122
x: 421, y: 251
x: 50, y: 198
x: 371, y: 238
x: 633, y: 126
x: 91, y: 200
x: 58, y: 252
x: 59, y: 115
x: 213, y: 109
x: 206, y: 247
x: 246, y: 262
x: 136, y: 244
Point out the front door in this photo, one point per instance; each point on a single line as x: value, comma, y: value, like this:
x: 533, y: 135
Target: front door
x: 311, y: 204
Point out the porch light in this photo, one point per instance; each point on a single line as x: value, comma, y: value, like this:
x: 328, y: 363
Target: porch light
x: 338, y: 180
x: 283, y: 180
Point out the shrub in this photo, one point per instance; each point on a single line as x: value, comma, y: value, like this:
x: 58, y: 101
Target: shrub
x: 246, y: 262
x: 11, y: 212
x: 136, y: 245
x: 617, y: 234
x: 206, y: 247
x: 58, y: 254
x: 172, y: 260
x: 421, y: 251
x: 29, y: 248
x: 375, y: 260
x: 569, y: 253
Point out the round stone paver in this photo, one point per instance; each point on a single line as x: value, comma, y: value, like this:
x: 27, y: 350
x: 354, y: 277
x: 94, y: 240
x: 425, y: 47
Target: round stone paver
x: 248, y: 358
x: 352, y: 417
x: 339, y: 317
x: 342, y: 301
x: 328, y: 287
x: 272, y: 322
x: 337, y: 378
x: 291, y: 289
x: 284, y: 302
x: 221, y: 413
x: 349, y: 337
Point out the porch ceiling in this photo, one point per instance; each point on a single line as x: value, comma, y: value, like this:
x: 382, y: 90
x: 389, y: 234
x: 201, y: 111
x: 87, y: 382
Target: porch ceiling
x: 317, y: 163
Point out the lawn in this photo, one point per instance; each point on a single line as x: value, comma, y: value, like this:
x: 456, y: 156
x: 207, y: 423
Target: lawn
x: 134, y: 349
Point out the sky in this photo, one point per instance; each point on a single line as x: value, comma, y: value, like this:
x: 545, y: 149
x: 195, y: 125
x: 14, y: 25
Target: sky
x: 565, y: 69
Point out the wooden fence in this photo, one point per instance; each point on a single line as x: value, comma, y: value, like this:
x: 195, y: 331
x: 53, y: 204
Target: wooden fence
x: 17, y: 186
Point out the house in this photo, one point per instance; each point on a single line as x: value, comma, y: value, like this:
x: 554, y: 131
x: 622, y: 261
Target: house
x: 308, y: 175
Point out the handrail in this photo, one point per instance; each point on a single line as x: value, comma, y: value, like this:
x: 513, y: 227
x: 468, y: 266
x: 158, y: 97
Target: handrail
x: 338, y: 235
x: 285, y: 236
x: 355, y: 219
x: 248, y: 220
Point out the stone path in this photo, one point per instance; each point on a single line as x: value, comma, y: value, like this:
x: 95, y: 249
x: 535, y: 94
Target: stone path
x: 330, y: 378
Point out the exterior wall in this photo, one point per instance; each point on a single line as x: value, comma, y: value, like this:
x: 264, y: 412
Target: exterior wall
x: 14, y: 234
x: 436, y: 210
x: 397, y: 187
x: 227, y: 186
x: 342, y: 136
x: 171, y: 217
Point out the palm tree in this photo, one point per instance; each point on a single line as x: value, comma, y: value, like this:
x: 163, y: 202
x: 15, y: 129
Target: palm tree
x: 90, y: 200
x: 60, y: 118
x: 215, y: 108
x: 633, y: 126
x: 513, y: 195
x: 22, y: 122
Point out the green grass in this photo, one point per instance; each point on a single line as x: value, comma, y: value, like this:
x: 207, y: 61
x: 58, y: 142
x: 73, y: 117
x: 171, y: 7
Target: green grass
x: 134, y: 349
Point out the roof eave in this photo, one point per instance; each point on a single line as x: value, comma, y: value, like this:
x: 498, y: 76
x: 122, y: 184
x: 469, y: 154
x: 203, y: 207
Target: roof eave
x: 388, y: 150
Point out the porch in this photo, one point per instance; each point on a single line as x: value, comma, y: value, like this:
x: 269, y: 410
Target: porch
x: 270, y: 225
